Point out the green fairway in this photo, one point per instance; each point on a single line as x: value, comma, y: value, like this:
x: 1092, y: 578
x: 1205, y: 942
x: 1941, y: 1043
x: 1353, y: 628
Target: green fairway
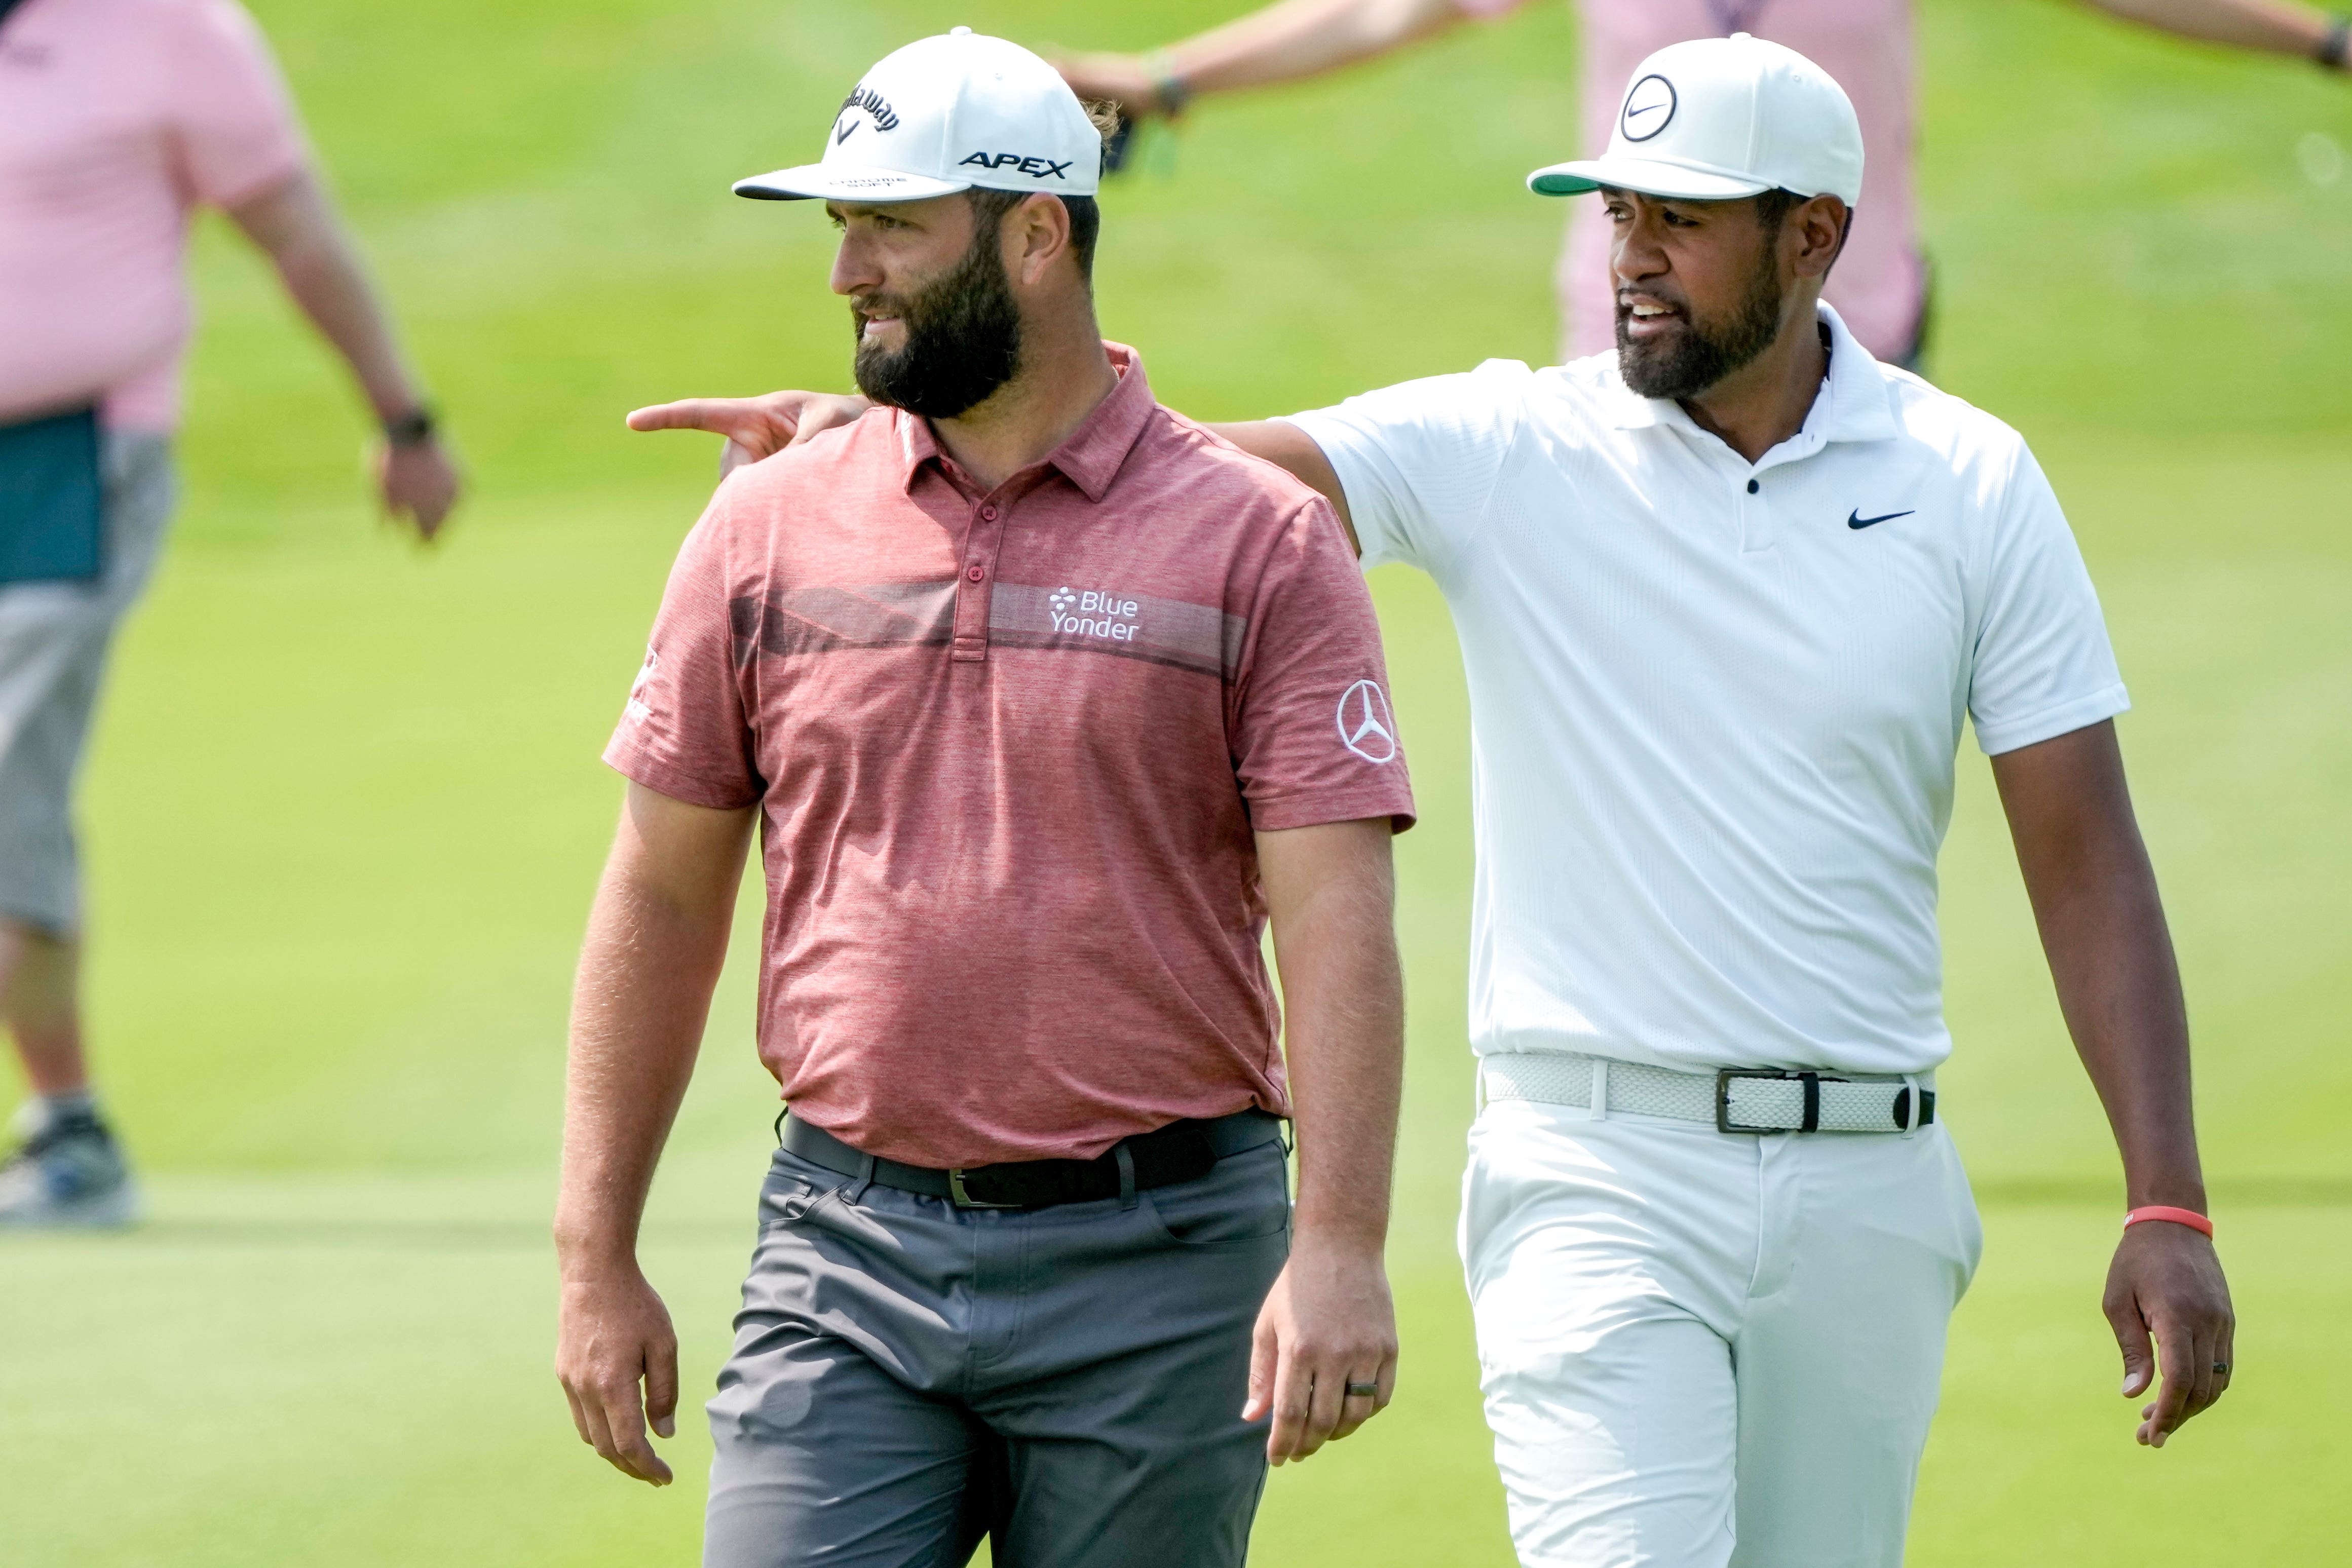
x: 346, y: 811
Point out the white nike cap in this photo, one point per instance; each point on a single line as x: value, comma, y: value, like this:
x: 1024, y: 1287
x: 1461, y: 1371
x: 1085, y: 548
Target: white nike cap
x: 945, y: 114
x: 1717, y: 118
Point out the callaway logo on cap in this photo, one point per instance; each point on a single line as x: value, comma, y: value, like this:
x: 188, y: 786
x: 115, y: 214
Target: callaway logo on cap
x: 1717, y: 118
x: 945, y: 114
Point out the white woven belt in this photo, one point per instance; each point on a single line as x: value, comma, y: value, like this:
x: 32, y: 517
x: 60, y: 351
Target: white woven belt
x: 1733, y: 1099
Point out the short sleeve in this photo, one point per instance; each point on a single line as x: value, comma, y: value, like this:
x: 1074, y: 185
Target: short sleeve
x: 684, y: 732
x: 1418, y: 461
x: 1314, y: 739
x: 234, y: 121
x: 2042, y: 664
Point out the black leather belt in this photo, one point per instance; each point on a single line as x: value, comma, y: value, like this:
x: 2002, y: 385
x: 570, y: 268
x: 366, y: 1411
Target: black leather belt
x: 1181, y: 1151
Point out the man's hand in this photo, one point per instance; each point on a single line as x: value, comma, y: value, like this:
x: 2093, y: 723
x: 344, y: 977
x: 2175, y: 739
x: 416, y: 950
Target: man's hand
x: 293, y: 221
x: 1328, y: 1322
x: 657, y: 938
x: 2095, y: 899
x: 614, y: 1336
x: 1331, y: 894
x: 2167, y: 1281
x: 755, y: 427
x: 419, y: 485
x: 1118, y: 79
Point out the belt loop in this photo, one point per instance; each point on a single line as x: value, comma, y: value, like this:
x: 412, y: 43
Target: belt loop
x: 1598, y: 1108
x: 1126, y: 1173
x: 1910, y: 1105
x: 865, y: 1179
x: 779, y: 1126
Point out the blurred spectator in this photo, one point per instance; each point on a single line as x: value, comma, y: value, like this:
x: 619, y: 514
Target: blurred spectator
x: 119, y: 117
x: 1881, y: 284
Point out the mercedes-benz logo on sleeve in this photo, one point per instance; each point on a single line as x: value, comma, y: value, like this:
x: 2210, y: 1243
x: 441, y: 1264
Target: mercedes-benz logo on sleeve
x: 1365, y: 726
x: 1648, y: 109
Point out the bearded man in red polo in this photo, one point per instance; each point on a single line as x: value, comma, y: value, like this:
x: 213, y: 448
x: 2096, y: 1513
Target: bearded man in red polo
x: 1046, y: 701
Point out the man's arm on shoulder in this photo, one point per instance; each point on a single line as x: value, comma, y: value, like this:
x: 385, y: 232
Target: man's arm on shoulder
x: 2094, y: 901
x: 759, y: 427
x: 1331, y: 897
x: 1286, y: 445
x: 657, y: 938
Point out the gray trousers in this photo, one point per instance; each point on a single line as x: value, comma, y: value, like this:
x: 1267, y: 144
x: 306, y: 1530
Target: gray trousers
x: 53, y: 638
x: 908, y: 1376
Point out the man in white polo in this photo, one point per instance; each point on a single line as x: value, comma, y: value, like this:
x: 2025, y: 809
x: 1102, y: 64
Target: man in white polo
x: 1726, y: 599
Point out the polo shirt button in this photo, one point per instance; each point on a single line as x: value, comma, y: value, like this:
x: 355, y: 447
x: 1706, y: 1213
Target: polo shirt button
x: 978, y: 573
x: 1752, y: 486
x: 988, y: 514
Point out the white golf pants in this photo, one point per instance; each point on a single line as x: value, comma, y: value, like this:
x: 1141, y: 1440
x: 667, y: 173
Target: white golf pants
x: 1703, y: 1350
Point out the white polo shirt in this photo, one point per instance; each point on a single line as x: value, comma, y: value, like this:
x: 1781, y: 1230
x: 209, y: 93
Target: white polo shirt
x: 1715, y: 707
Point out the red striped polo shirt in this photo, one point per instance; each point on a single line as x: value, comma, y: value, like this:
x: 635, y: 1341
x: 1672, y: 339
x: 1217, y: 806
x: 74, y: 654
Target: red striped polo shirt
x: 1010, y: 751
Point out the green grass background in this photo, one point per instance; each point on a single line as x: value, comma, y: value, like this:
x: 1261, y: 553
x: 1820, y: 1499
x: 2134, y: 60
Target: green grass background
x: 345, y: 809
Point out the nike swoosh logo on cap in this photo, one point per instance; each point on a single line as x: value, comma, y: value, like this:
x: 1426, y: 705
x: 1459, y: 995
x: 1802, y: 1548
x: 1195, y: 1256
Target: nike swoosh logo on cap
x: 1854, y: 520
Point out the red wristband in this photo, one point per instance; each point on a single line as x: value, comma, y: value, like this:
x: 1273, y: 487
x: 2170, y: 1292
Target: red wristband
x: 2188, y: 1216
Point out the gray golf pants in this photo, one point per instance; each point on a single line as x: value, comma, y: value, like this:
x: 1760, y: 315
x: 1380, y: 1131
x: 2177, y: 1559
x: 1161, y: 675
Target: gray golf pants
x: 908, y: 1376
x: 53, y: 638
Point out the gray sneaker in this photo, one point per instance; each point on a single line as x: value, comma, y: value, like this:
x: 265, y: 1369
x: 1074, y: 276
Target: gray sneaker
x: 68, y: 1171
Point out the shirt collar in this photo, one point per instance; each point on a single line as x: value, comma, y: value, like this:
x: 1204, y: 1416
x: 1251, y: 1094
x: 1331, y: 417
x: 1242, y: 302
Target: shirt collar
x: 1861, y: 402
x: 1854, y: 403
x: 1089, y: 458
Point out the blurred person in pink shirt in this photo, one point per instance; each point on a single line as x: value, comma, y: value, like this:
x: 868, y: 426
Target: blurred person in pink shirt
x: 1881, y: 287
x: 118, y: 120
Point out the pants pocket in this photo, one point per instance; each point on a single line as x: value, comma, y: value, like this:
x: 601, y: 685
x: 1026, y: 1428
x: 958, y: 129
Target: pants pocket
x: 794, y: 1188
x: 1245, y: 1199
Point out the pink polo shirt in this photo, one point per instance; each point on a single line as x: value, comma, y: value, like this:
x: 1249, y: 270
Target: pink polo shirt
x: 117, y: 119
x: 1009, y: 751
x: 1879, y: 284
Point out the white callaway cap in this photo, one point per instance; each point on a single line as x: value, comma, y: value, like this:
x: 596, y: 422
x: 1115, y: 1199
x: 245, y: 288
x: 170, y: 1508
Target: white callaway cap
x: 1717, y: 118
x: 945, y: 114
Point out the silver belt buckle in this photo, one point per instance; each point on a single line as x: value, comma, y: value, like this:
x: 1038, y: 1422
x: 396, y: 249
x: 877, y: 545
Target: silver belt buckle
x: 1723, y: 1078
x: 963, y: 1200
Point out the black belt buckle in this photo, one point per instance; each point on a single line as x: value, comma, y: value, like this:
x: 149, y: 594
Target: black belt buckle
x: 1723, y: 1122
x: 963, y: 1200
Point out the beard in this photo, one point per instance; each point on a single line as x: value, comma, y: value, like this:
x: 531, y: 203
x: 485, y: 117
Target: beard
x: 963, y: 338
x: 1686, y: 363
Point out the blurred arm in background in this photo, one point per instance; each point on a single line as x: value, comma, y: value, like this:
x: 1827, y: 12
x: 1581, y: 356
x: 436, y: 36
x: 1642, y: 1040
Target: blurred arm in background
x: 2102, y: 924
x: 656, y: 939
x: 2272, y: 26
x: 296, y: 224
x: 1296, y: 39
x: 1285, y: 42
